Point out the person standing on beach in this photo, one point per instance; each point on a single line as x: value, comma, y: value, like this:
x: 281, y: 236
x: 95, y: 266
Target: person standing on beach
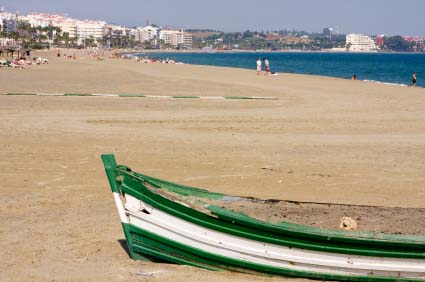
x: 267, y: 66
x: 259, y: 66
x: 414, y: 79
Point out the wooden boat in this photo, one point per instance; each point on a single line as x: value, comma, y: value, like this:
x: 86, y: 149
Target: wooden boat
x: 161, y: 224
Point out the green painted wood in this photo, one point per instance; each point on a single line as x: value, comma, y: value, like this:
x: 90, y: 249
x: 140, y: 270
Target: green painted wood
x: 230, y: 216
x: 21, y: 94
x: 283, y: 237
x: 171, y: 251
x: 77, y: 94
x: 338, y: 235
x: 111, y: 170
x: 151, y: 247
x: 131, y: 244
x: 286, y: 234
x: 180, y: 189
x: 295, y: 228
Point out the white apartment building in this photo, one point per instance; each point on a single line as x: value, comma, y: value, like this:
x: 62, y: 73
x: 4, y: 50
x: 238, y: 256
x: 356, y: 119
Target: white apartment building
x: 187, y: 39
x: 360, y: 43
x: 150, y: 33
x: 75, y: 28
x: 167, y: 36
x: 147, y: 34
x: 137, y: 32
x: 6, y: 16
x: 67, y: 25
x: 89, y: 29
x: 176, y: 38
x: 117, y: 29
x: 42, y: 20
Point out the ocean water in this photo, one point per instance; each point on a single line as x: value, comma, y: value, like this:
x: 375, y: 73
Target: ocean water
x: 394, y: 68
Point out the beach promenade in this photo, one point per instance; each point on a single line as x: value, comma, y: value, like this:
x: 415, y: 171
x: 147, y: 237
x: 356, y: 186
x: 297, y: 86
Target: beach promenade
x: 323, y: 140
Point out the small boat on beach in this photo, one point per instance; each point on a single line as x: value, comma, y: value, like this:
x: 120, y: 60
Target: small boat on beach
x: 164, y: 221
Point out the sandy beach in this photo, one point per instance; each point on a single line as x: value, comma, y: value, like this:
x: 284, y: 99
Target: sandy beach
x: 323, y: 140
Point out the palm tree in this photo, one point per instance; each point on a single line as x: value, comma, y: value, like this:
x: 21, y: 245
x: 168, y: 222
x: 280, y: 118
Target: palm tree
x: 89, y: 42
x: 65, y: 37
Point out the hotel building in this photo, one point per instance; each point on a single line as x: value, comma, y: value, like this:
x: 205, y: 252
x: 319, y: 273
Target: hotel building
x: 176, y: 38
x: 75, y: 28
x: 89, y: 29
x: 360, y: 43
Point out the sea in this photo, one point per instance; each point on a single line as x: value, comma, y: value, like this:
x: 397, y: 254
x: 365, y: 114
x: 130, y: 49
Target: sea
x: 388, y: 68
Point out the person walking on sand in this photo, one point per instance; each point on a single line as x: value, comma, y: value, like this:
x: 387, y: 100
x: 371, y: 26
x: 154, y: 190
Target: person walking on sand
x: 267, y: 66
x: 414, y: 79
x: 259, y: 66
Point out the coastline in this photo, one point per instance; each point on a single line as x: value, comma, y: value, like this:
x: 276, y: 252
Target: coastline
x: 299, y: 64
x: 324, y: 140
x: 261, y: 51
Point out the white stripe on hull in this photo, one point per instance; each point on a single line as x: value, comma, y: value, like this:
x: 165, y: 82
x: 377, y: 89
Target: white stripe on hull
x: 266, y: 254
x: 120, y: 207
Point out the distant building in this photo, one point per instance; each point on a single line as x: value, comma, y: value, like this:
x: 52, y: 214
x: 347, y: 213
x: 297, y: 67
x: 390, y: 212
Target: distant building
x: 187, y: 40
x: 66, y: 25
x: 146, y: 34
x: 117, y: 30
x: 176, y: 38
x: 89, y: 30
x: 417, y: 40
x: 8, y: 22
x: 150, y: 34
x: 74, y: 28
x: 69, y: 26
x: 360, y: 43
x: 380, y: 41
x: 167, y: 36
x: 327, y: 31
x: 6, y: 15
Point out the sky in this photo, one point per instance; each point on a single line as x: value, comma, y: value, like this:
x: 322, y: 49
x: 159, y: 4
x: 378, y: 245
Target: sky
x: 393, y: 17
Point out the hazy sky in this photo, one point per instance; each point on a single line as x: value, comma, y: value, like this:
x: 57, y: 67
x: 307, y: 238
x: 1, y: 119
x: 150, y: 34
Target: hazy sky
x: 404, y: 17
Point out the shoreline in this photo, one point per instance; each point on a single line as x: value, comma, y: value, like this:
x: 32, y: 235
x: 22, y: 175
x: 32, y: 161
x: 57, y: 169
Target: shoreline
x: 135, y: 54
x: 323, y: 140
x: 264, y: 51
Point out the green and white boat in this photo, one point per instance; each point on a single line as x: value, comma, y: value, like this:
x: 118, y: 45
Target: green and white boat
x: 164, y: 221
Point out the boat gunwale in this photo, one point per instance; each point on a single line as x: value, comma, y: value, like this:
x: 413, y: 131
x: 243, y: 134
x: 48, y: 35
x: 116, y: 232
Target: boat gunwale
x: 364, y: 236
x: 298, y: 229
x: 237, y: 224
x: 231, y: 225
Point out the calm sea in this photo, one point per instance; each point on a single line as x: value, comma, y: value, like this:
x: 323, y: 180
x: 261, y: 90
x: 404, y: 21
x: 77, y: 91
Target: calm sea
x: 379, y: 67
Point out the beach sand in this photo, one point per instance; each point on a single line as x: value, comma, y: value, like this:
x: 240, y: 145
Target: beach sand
x: 324, y: 140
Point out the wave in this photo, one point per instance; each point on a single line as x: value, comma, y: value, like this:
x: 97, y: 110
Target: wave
x: 386, y: 83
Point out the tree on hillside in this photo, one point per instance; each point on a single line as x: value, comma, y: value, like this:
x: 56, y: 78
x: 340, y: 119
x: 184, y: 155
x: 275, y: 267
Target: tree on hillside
x: 247, y: 34
x: 397, y: 43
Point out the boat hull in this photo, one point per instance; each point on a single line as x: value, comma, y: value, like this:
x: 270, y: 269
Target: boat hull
x: 160, y: 228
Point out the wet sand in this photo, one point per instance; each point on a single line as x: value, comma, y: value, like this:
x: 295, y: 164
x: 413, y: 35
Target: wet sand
x: 324, y: 140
